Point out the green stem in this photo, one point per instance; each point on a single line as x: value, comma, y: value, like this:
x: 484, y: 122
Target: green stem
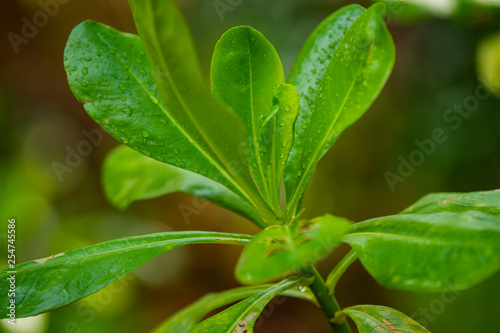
x: 327, y: 302
x: 337, y: 272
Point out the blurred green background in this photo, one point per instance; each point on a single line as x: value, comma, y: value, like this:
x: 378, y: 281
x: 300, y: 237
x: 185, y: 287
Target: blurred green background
x: 444, y: 50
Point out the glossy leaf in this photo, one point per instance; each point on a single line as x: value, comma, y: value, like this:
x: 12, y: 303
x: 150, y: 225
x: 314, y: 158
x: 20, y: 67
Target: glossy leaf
x: 307, y: 73
x: 49, y: 283
x: 488, y: 63
x: 185, y: 319
x: 171, y: 53
x: 429, y: 252
x: 245, y: 72
x: 280, y: 250
x: 376, y: 318
x: 277, y: 137
x: 109, y: 72
x: 486, y: 202
x: 241, y: 317
x: 355, y: 76
x: 129, y: 176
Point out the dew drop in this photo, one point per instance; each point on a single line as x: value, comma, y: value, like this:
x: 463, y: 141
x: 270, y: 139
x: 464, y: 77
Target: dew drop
x: 252, y: 39
x: 154, y: 100
x: 176, y: 152
x: 85, y: 70
x: 105, y: 121
x: 283, y: 143
x: 287, y: 108
x: 127, y: 111
x: 121, y: 86
x: 302, y: 289
x: 145, y: 134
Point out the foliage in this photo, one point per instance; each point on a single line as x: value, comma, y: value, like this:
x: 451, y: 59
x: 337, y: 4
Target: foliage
x: 235, y: 145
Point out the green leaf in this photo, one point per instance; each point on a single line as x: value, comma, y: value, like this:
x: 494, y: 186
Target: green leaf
x: 277, y: 137
x: 241, y: 317
x: 486, y: 202
x: 358, y: 70
x: 185, y: 319
x: 109, y: 72
x: 129, y: 176
x: 52, y: 282
x: 280, y: 250
x: 307, y: 73
x: 488, y: 63
x: 430, y: 252
x: 245, y: 72
x: 376, y: 318
x: 170, y: 50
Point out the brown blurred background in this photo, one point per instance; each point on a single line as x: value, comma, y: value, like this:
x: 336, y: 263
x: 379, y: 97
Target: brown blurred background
x: 40, y: 118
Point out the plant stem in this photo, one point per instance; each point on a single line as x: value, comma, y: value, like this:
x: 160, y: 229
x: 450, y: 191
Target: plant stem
x: 327, y: 302
x: 337, y: 272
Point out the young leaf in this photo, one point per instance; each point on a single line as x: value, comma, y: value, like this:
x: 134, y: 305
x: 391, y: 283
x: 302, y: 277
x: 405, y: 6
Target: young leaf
x: 277, y: 137
x: 356, y: 74
x: 129, y: 176
x: 280, y: 250
x: 191, y: 315
x: 487, y: 202
x: 52, y: 282
x: 171, y: 53
x: 241, y: 317
x: 430, y: 252
x: 376, y: 318
x: 307, y: 73
x: 108, y: 72
x: 244, y: 74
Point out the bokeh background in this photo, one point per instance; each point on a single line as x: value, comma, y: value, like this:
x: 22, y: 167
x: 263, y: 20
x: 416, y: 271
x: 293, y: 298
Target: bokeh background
x: 438, y: 65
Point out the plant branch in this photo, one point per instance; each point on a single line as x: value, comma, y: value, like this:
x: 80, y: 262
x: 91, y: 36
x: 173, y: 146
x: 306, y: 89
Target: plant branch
x: 327, y: 302
x: 336, y: 273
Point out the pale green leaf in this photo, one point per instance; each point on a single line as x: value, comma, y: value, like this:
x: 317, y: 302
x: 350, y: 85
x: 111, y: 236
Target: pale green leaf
x: 128, y: 176
x: 50, y: 283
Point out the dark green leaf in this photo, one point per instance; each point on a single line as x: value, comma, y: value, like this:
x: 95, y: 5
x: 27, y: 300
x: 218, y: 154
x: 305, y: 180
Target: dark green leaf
x: 430, y: 252
x: 108, y: 72
x: 358, y: 70
x: 486, y: 202
x: 245, y: 72
x: 185, y: 319
x: 129, y: 176
x: 241, y: 317
x: 307, y: 73
x: 49, y: 283
x: 280, y: 250
x: 376, y: 318
x: 172, y: 56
